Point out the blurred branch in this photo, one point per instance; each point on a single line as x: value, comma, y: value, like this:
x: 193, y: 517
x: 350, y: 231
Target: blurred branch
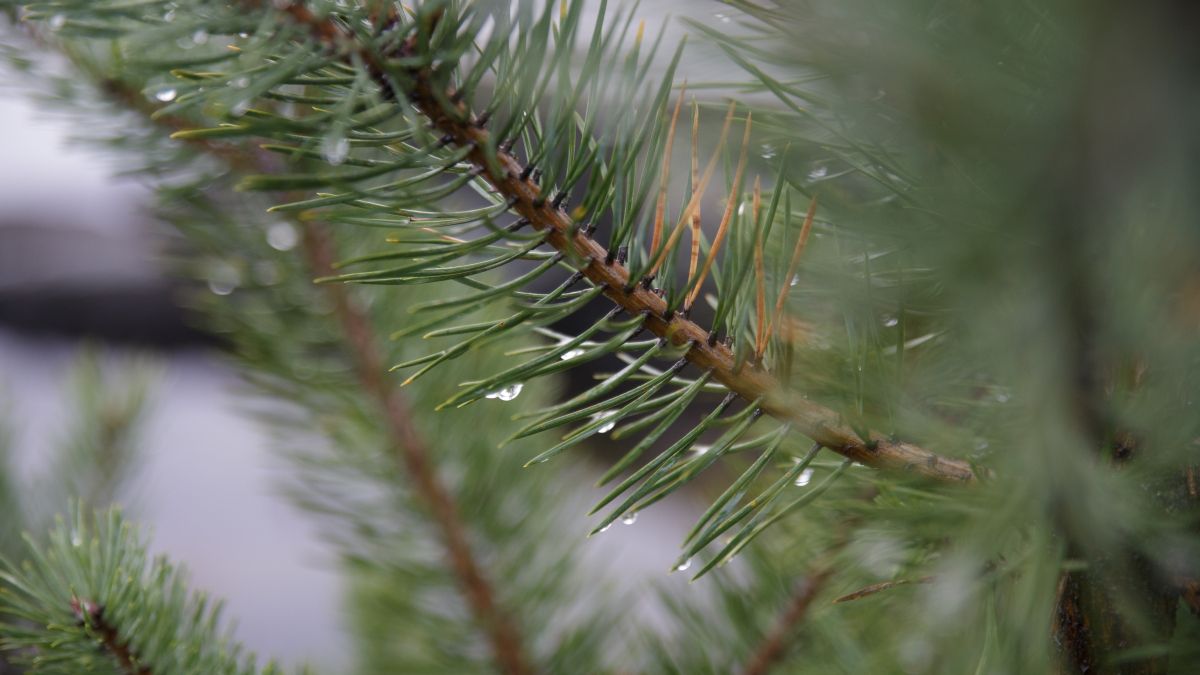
x: 774, y: 646
x: 360, y: 334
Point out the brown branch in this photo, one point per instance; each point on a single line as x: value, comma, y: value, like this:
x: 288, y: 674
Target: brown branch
x: 502, y: 633
x: 774, y: 646
x: 821, y: 424
x: 321, y: 253
x: 509, y: 179
x: 92, y: 616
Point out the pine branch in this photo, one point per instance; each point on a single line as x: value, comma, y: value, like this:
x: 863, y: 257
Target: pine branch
x: 774, y: 646
x: 602, y: 268
x: 320, y: 252
x: 92, y: 615
x: 502, y: 633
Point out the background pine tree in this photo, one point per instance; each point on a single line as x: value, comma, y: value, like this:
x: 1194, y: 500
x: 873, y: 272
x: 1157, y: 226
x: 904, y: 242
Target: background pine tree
x: 929, y: 348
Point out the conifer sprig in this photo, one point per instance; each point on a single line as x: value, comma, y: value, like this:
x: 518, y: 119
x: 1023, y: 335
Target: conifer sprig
x: 371, y: 74
x: 92, y: 600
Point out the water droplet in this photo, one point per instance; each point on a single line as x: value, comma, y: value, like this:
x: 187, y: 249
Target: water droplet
x: 282, y: 236
x: 723, y: 18
x: 241, y: 82
x: 605, y: 428
x: 76, y: 540
x: 629, y: 518
x: 58, y: 21
x: 239, y: 108
x: 701, y: 449
x: 684, y: 565
x: 507, y: 393
x: 890, y: 321
x: 220, y: 287
x: 795, y: 280
x: 185, y: 43
x: 804, y: 478
x: 571, y: 354
x: 818, y: 173
x: 768, y: 152
x: 169, y: 16
x: 335, y: 150
x: 244, y: 36
x: 605, y: 528
x: 200, y: 37
x: 980, y: 444
x: 165, y: 95
x: 1003, y: 396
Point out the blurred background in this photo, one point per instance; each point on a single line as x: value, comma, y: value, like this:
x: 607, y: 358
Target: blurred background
x: 87, y: 271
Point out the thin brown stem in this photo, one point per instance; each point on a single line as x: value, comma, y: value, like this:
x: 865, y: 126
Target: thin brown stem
x: 774, y: 646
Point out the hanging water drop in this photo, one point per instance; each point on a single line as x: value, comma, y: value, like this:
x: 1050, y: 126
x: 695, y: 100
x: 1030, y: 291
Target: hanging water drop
x: 507, y: 393
x: 335, y: 150
x: 58, y: 21
x: 605, y: 528
x: 165, y: 95
x: 629, y: 518
x: 795, y: 280
x: 572, y: 354
x: 1003, y: 396
x: 282, y: 237
x: 169, y: 16
x: 804, y: 478
x: 200, y: 37
x: 890, y: 321
x: 607, y: 427
x: 684, y: 565
x: 818, y: 173
x: 220, y: 287
x: 244, y: 36
x: 241, y: 82
x: 239, y: 108
x: 768, y: 151
x: 76, y: 540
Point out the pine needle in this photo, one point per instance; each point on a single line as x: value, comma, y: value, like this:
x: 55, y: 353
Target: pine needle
x: 760, y: 274
x: 660, y: 211
x: 794, y: 265
x: 716, y: 246
x: 695, y: 187
x: 694, y: 203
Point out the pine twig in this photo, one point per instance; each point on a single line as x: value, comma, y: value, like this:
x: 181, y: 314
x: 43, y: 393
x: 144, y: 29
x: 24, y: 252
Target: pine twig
x: 773, y: 648
x: 93, y: 616
x: 506, y: 642
x: 319, y: 249
x: 511, y: 180
x: 821, y: 424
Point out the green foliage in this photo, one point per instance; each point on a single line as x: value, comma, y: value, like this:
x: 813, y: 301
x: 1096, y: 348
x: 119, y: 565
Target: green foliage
x: 1001, y: 269
x: 92, y: 600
